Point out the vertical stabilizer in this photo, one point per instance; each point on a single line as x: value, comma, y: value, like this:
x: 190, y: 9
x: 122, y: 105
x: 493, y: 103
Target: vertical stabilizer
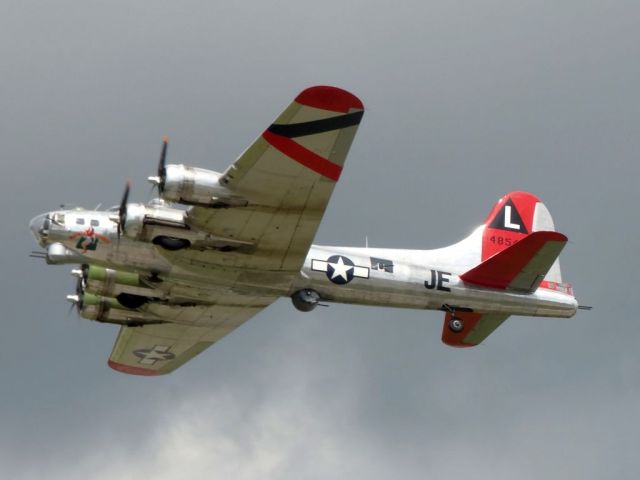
x: 512, y: 218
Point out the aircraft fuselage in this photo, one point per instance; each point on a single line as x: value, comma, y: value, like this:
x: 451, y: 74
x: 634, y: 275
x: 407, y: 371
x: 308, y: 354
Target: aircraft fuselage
x: 419, y: 279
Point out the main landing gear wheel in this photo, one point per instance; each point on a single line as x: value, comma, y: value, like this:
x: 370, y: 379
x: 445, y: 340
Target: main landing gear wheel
x: 456, y: 325
x: 171, y: 243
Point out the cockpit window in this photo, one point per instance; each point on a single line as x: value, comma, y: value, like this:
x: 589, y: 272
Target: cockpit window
x: 95, y: 223
x: 79, y: 221
x: 58, y: 218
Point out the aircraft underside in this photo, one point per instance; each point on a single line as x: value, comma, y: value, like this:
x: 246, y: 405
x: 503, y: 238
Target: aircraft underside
x: 181, y: 272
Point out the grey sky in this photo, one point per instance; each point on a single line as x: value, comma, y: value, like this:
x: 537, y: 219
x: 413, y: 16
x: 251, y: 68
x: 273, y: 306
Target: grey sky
x: 465, y: 102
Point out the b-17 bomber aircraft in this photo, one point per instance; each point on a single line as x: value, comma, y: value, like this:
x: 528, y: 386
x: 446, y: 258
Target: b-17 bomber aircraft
x: 181, y: 272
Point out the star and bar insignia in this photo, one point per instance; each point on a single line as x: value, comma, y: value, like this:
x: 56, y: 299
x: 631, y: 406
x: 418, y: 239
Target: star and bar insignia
x: 151, y: 356
x: 339, y: 269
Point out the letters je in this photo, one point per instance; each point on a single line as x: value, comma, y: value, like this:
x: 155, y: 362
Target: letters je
x: 437, y: 281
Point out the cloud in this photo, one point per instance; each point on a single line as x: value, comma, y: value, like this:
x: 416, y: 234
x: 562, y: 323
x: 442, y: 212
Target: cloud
x: 347, y: 405
x: 214, y: 435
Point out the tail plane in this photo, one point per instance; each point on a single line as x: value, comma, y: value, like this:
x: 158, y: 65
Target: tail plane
x: 520, y: 267
x: 519, y: 254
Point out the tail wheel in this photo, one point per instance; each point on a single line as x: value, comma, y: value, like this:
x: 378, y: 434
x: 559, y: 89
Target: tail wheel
x: 456, y: 325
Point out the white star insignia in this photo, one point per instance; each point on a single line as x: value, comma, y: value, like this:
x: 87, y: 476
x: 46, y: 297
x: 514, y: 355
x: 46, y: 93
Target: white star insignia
x: 340, y: 269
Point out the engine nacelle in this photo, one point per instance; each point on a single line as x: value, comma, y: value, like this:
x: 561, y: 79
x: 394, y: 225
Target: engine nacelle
x: 139, y: 215
x: 111, y: 283
x: 135, y: 219
x: 109, y: 310
x: 196, y: 186
x: 58, y: 254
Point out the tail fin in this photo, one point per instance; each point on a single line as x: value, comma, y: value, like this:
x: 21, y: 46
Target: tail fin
x: 514, y: 217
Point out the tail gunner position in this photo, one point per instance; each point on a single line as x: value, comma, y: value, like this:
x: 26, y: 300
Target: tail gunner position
x: 215, y: 249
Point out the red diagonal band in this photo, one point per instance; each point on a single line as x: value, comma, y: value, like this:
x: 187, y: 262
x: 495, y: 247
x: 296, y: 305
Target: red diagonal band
x: 131, y: 370
x: 303, y: 156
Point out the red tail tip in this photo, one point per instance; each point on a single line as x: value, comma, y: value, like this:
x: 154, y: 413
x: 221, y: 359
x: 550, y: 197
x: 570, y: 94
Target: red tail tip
x: 329, y: 98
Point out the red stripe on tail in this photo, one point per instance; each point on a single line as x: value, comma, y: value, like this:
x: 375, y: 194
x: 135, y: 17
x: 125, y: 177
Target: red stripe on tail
x: 456, y: 339
x: 510, y: 220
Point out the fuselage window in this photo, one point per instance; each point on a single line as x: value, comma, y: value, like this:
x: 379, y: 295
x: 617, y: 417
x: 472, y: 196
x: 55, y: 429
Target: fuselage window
x: 79, y: 221
x: 95, y: 223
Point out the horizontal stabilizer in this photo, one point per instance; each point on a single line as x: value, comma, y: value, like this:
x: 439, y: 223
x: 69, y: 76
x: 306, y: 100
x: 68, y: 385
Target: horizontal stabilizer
x: 473, y: 327
x: 521, y: 267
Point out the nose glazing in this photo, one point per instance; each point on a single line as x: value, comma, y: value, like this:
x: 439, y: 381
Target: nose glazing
x: 40, y: 228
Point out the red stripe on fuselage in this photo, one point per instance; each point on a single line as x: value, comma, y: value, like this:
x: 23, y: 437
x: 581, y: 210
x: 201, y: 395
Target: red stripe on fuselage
x: 303, y: 156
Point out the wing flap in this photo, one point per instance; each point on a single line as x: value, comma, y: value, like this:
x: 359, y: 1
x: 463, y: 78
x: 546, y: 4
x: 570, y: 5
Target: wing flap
x: 476, y: 327
x: 521, y: 267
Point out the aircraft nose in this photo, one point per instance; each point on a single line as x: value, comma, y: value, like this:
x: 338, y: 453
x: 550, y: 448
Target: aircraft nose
x: 40, y: 228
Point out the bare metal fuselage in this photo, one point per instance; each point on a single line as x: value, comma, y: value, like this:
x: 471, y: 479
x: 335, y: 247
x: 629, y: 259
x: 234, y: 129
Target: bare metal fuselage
x: 419, y: 279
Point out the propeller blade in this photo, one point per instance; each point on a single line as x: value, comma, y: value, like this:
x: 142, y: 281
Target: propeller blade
x: 79, y: 287
x: 76, y: 302
x: 162, y: 165
x: 122, y: 211
x: 161, y: 174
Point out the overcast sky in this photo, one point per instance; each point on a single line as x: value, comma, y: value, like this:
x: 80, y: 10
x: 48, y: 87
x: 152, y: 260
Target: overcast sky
x: 466, y: 101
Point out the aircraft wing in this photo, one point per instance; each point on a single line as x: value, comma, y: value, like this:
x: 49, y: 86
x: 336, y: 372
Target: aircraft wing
x: 477, y: 327
x: 158, y: 349
x: 287, y: 177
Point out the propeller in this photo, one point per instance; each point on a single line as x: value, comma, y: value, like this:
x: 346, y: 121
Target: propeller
x: 76, y: 302
x: 122, y: 211
x: 80, y: 282
x: 161, y: 176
